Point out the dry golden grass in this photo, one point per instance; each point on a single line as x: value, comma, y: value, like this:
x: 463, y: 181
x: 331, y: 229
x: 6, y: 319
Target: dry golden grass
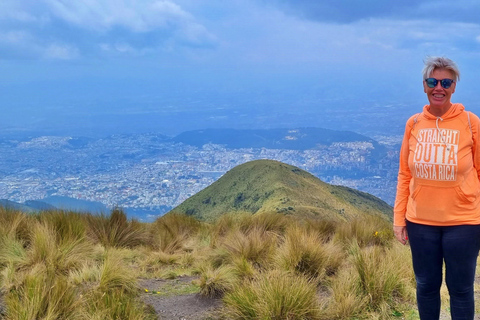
x: 274, y: 295
x: 266, y: 266
x: 116, y: 231
x: 304, y: 252
x: 215, y: 282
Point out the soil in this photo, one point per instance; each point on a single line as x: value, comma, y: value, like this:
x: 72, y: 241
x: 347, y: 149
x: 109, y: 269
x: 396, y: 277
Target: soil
x: 188, y: 306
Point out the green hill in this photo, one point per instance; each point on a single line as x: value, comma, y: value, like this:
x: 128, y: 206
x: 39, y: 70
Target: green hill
x: 267, y: 185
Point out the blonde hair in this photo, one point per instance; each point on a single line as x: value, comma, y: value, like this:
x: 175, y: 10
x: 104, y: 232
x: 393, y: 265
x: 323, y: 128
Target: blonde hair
x: 432, y: 63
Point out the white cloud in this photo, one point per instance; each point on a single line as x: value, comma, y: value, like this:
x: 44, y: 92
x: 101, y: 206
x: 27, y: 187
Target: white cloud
x: 15, y: 37
x: 60, y: 51
x: 126, y: 26
x: 138, y: 16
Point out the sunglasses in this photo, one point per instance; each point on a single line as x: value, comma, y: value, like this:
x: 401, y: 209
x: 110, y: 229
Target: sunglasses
x: 445, y: 83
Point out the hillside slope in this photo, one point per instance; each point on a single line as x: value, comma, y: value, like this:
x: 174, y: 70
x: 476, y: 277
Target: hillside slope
x: 268, y: 185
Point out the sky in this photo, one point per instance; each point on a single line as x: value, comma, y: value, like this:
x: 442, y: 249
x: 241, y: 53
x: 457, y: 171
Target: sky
x: 74, y: 60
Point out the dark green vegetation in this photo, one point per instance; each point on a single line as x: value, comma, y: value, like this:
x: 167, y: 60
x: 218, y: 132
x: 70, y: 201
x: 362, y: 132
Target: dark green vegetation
x: 272, y: 186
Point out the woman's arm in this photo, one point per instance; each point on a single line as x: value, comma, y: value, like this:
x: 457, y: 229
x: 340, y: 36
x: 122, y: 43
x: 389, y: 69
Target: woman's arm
x: 403, y: 181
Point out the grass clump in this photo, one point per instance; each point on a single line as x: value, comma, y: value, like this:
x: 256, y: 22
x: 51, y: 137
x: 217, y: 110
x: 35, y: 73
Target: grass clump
x: 215, y: 282
x: 379, y: 280
x: 303, y: 252
x: 171, y: 233
x: 274, y: 295
x: 43, y: 296
x: 366, y: 230
x: 115, y: 230
x: 255, y: 245
x: 57, y: 254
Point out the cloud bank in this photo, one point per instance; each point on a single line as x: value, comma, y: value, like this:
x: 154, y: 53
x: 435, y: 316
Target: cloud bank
x: 69, y: 29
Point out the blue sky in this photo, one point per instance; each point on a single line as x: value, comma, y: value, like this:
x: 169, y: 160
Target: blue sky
x: 60, y: 57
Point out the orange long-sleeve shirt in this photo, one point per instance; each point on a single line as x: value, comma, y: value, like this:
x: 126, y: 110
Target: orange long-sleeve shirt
x: 438, y: 177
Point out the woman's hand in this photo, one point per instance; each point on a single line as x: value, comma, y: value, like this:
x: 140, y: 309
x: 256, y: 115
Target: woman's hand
x: 401, y: 234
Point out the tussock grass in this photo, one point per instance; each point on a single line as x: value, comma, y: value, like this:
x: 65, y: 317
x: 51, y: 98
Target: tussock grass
x: 171, y: 233
x: 379, y: 280
x: 113, y: 294
x: 263, y: 266
x: 274, y: 295
x: 13, y: 224
x: 366, y: 230
x: 43, y: 296
x: 58, y: 255
x: 266, y: 221
x: 326, y: 228
x: 303, y: 252
x: 116, y: 231
x: 67, y: 225
x: 12, y: 250
x: 243, y: 268
x: 215, y: 282
x: 256, y: 246
x: 116, y: 305
x: 114, y: 275
x: 344, y: 302
x: 154, y: 264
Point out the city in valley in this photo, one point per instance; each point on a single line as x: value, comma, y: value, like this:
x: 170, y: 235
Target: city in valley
x: 149, y: 174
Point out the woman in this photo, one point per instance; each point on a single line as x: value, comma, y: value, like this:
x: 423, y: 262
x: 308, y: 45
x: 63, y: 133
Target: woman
x: 438, y: 194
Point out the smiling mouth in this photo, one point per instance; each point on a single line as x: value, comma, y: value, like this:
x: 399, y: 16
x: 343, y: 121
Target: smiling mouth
x: 439, y: 95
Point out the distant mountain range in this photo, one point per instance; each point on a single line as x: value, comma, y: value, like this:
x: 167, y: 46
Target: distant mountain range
x: 282, y: 138
x: 56, y: 202
x: 292, y: 139
x: 267, y: 185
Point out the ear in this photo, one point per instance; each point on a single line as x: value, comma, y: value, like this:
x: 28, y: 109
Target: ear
x: 424, y: 87
x: 454, y: 85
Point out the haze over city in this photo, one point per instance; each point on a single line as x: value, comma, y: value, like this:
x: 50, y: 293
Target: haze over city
x: 95, y: 68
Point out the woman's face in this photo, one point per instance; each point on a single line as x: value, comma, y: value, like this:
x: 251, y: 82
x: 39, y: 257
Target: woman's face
x: 439, y: 97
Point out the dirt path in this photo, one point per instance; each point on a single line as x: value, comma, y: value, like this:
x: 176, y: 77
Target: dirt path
x: 183, y: 306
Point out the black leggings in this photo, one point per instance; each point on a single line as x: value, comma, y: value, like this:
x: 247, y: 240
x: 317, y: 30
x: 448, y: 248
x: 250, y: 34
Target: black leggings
x: 458, y: 246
